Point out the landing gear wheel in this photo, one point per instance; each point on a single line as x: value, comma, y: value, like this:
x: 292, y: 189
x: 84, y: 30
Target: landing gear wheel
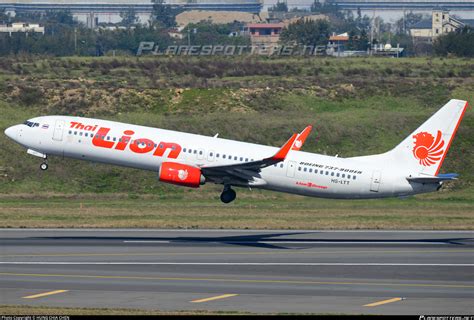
x: 44, y: 166
x: 228, y: 195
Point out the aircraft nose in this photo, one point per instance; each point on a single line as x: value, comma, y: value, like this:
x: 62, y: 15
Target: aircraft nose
x: 12, y: 132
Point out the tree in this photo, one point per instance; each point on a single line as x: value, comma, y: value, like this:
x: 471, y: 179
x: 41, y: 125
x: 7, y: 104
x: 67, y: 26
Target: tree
x: 316, y: 6
x: 279, y: 7
x: 207, y: 33
x: 164, y: 15
x: 129, y: 17
x: 329, y: 8
x: 459, y: 43
x: 403, y: 24
x: 4, y: 17
x: 306, y: 32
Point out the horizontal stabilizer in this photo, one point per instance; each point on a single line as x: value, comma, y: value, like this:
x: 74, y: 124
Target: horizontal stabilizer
x: 434, y: 179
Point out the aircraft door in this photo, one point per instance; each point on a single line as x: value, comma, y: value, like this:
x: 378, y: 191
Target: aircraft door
x: 58, y: 130
x: 375, y: 184
x: 290, y: 172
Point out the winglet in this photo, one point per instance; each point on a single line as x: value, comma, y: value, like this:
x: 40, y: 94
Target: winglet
x: 281, y: 154
x: 301, y: 138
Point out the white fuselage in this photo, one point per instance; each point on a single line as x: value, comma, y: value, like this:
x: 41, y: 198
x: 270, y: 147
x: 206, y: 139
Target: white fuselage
x: 146, y: 148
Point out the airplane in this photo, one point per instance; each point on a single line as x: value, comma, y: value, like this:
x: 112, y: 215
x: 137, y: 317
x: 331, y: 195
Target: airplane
x: 191, y: 160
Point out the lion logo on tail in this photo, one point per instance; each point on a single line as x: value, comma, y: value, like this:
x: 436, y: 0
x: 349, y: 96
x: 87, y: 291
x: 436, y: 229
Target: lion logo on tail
x: 427, y: 149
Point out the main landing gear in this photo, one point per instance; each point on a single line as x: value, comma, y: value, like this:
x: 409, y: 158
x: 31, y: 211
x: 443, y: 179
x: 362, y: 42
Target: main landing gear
x: 44, y: 165
x: 228, y: 195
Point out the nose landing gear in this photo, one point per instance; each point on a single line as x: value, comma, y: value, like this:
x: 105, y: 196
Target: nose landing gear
x: 228, y: 195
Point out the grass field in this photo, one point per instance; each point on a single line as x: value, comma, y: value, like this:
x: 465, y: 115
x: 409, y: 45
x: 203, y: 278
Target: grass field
x: 357, y: 106
x: 58, y: 311
x: 253, y: 210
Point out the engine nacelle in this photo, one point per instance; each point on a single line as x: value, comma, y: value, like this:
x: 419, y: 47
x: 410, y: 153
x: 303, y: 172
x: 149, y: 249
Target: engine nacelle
x: 181, y: 174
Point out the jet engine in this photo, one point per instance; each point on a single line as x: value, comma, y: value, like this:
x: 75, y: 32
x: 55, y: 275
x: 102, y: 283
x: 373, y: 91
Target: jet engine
x: 181, y: 174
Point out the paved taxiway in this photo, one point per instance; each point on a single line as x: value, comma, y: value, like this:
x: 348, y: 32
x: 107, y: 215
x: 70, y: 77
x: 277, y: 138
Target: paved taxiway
x: 396, y: 272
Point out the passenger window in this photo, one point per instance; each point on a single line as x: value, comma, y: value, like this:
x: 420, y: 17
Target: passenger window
x: 343, y: 175
x: 246, y: 159
x: 348, y: 176
x: 332, y: 174
x: 281, y: 165
x: 235, y: 158
x: 195, y: 151
x: 223, y: 156
x: 304, y: 169
x: 80, y: 133
x: 337, y: 174
x: 241, y: 159
x: 327, y: 173
x: 310, y: 170
x: 184, y: 149
x: 354, y: 177
x: 75, y: 133
x: 211, y: 154
x: 299, y: 168
x: 70, y: 132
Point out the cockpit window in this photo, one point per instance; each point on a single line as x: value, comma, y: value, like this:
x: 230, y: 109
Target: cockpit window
x: 31, y: 124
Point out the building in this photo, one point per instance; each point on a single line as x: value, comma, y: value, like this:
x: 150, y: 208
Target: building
x: 337, y: 44
x: 93, y: 12
x: 20, y: 27
x: 441, y: 22
x: 264, y: 35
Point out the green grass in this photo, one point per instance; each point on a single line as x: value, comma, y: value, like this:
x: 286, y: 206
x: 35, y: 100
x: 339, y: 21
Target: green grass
x: 253, y: 210
x: 62, y: 311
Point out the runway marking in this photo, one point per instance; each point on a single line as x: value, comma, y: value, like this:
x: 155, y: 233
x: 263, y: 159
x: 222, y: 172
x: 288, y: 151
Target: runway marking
x: 214, y: 298
x: 46, y: 275
x: 378, y: 303
x: 288, y: 242
x: 44, y: 294
x: 85, y: 254
x: 146, y: 241
x: 125, y: 263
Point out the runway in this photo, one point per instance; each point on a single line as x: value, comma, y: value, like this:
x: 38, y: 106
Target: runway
x: 275, y: 271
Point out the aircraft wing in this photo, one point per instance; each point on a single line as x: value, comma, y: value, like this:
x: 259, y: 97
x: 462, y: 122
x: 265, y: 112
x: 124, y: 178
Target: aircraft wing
x: 244, y: 172
x: 434, y: 179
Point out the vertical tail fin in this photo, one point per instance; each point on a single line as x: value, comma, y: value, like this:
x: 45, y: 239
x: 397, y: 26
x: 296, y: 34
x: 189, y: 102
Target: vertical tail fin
x: 424, y: 150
